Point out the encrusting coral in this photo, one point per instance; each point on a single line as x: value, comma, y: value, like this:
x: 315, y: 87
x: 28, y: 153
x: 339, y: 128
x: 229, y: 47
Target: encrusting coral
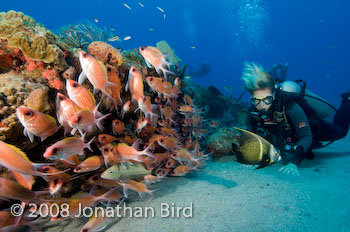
x: 105, y: 53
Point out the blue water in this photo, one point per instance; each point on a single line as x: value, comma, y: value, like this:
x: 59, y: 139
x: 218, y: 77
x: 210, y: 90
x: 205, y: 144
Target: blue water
x: 312, y: 36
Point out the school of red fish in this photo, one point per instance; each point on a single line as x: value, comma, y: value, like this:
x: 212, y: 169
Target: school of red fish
x: 152, y: 132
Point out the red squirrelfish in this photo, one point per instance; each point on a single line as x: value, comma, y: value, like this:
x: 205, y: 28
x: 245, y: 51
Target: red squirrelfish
x: 155, y: 58
x: 65, y: 108
x: 85, y: 120
x: 36, y: 123
x: 81, y: 96
x: 135, y: 83
x: 90, y: 164
x: 96, y: 72
x: 67, y: 147
x: 114, y: 91
x: 14, y: 159
x: 126, y: 152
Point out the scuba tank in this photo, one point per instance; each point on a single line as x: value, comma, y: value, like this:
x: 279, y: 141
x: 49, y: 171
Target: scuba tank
x: 321, y: 108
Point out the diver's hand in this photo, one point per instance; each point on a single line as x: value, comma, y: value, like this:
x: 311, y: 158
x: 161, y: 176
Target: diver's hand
x: 290, y: 170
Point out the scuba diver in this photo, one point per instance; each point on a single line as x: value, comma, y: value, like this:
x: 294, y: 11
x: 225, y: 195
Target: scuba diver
x: 291, y: 117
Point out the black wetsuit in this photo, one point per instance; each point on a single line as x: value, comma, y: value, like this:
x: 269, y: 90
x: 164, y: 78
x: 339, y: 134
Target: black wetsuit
x: 303, y: 132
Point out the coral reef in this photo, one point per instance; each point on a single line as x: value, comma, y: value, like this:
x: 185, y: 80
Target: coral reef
x: 132, y: 58
x: 165, y: 48
x: 220, y: 142
x: 83, y: 33
x: 105, y: 53
x: 15, y: 90
x: 34, y: 41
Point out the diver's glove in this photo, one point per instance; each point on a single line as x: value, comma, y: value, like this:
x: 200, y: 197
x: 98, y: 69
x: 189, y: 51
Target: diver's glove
x: 295, y: 155
x: 290, y: 170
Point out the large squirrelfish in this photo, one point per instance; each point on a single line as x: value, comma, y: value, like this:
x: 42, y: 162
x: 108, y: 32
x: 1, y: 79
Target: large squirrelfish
x: 135, y: 83
x: 81, y: 96
x: 36, y: 123
x: 96, y: 72
x: 155, y: 58
x: 67, y: 147
x: 65, y: 108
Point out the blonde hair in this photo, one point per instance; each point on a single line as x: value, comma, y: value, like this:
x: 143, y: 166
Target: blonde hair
x: 255, y: 77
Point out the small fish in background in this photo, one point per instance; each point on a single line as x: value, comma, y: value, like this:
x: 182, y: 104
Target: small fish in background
x: 96, y: 20
x: 192, y: 47
x: 151, y: 29
x: 330, y: 46
x: 114, y: 38
x: 164, y: 16
x: 160, y: 9
x: 127, y: 6
x: 127, y: 37
x: 327, y: 76
x: 112, y: 29
x: 228, y: 89
x: 141, y: 4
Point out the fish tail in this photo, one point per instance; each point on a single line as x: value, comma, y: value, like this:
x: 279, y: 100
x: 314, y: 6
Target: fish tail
x: 166, y: 72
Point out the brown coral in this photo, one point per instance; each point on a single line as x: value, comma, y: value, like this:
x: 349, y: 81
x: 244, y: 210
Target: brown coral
x: 105, y: 53
x: 31, y: 38
x: 14, y: 89
x: 38, y: 100
x: 220, y: 142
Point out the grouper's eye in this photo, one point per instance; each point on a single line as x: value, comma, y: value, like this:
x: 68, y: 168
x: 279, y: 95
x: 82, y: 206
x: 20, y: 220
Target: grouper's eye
x: 75, y: 85
x: 85, y: 54
x: 105, y: 149
x: 79, y: 119
x: 109, y: 69
x: 55, y: 150
x: 134, y: 69
x: 61, y: 98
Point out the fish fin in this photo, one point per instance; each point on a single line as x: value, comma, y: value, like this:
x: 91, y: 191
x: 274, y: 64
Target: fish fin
x: 82, y: 77
x: 94, y: 92
x: 25, y: 132
x: 43, y: 138
x: 30, y: 136
x: 19, y: 151
x: 127, y: 86
x: 125, y: 189
x: 99, y: 120
x: 148, y: 64
x: 72, y: 132
x: 69, y: 161
x: 89, y: 143
x: 38, y: 165
x: 234, y: 147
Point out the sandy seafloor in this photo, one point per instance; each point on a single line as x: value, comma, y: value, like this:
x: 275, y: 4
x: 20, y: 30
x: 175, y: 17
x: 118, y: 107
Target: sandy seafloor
x: 228, y: 196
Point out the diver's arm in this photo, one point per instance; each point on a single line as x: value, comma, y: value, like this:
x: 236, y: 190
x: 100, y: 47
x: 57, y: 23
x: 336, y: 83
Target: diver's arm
x: 300, y: 123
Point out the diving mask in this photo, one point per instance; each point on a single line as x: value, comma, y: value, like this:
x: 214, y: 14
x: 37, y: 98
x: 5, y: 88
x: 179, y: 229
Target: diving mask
x: 256, y: 100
